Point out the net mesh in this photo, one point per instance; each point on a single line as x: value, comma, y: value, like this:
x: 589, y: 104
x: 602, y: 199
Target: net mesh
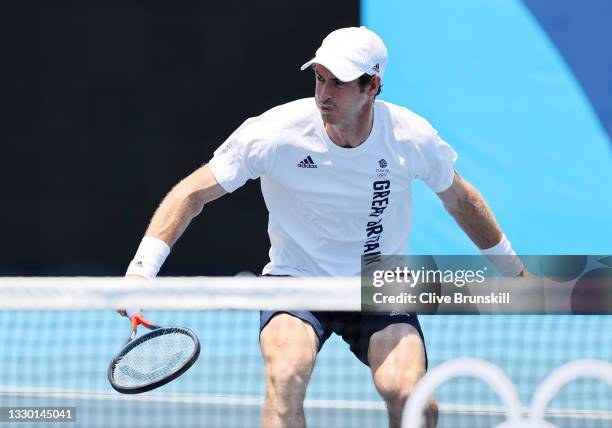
x: 58, y: 355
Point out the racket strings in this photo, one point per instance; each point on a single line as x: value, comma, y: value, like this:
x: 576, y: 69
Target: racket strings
x: 153, y: 359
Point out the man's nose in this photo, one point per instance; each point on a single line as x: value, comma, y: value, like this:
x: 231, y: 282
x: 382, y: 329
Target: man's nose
x: 325, y: 91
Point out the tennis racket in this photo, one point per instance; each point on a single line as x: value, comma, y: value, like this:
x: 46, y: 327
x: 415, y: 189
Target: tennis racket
x: 153, y: 359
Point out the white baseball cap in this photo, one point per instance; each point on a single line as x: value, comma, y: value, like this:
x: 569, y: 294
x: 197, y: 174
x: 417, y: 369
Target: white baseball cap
x: 350, y: 52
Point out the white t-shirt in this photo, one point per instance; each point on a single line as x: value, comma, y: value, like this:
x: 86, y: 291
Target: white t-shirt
x: 329, y: 206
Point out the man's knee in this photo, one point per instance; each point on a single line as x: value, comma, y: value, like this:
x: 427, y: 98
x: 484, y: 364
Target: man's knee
x: 397, y: 356
x: 395, y: 394
x: 289, y: 348
x: 397, y: 360
x: 287, y: 378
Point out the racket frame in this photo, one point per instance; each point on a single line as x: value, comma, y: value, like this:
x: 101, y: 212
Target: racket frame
x: 133, y: 342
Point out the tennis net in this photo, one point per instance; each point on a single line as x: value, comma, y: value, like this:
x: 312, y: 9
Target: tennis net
x: 58, y: 335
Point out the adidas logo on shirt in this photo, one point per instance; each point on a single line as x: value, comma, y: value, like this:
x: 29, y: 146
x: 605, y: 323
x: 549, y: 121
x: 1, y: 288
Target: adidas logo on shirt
x: 307, y: 163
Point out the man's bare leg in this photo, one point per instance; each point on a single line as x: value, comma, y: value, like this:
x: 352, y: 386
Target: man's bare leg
x: 397, y: 360
x: 289, y: 348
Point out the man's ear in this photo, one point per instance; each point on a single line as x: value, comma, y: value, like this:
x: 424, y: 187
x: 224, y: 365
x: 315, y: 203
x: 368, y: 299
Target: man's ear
x: 374, y: 85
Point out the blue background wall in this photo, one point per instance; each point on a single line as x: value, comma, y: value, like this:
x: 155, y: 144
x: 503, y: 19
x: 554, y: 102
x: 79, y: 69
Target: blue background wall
x: 522, y: 92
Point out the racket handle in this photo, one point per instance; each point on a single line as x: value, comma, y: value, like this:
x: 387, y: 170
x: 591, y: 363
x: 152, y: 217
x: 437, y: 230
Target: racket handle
x: 137, y: 320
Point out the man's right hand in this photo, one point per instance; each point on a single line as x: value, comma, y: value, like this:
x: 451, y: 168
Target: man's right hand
x: 129, y: 312
x: 133, y: 309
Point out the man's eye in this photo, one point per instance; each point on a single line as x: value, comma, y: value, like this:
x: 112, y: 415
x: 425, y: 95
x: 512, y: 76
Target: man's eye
x: 319, y: 78
x: 339, y: 83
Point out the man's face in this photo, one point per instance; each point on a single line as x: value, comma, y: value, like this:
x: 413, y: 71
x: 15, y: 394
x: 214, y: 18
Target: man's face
x: 338, y: 102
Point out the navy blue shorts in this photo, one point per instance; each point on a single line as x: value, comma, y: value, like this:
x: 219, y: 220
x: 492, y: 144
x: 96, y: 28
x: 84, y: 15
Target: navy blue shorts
x: 355, y: 328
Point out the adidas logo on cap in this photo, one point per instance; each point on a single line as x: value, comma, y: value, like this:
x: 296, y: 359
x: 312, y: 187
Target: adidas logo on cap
x: 307, y: 163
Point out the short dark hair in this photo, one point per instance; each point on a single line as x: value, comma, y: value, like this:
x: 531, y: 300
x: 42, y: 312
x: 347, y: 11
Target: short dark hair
x: 365, y: 79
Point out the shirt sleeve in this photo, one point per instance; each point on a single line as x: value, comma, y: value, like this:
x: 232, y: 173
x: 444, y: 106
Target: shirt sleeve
x: 246, y: 154
x: 434, y: 160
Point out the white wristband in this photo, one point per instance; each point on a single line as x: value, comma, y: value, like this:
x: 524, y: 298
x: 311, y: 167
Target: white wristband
x: 150, y: 256
x: 503, y: 257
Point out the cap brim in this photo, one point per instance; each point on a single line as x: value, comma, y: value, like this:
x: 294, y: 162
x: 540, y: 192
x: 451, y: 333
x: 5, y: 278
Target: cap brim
x: 342, y: 69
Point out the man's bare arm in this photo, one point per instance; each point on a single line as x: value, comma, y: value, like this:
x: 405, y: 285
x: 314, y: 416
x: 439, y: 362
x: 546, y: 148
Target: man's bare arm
x: 182, y: 204
x: 471, y: 212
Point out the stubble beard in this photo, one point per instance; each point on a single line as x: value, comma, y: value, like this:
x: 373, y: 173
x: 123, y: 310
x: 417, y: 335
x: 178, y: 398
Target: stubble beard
x: 329, y: 118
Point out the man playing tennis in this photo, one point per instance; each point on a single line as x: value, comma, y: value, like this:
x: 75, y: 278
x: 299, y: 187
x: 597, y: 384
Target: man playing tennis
x: 335, y: 174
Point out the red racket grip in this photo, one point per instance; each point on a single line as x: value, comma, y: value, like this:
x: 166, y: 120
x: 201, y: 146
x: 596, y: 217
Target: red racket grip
x: 137, y: 320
